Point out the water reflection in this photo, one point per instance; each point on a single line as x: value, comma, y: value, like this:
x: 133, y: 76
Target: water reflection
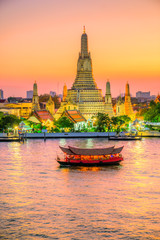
x: 62, y: 142
x: 84, y: 169
x: 40, y: 200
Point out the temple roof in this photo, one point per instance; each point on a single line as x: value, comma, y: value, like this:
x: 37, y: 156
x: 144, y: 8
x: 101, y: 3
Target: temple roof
x: 74, y: 115
x: 42, y: 115
x: 66, y: 150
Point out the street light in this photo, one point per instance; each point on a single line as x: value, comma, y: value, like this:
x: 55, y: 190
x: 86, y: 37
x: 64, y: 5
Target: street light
x: 16, y: 130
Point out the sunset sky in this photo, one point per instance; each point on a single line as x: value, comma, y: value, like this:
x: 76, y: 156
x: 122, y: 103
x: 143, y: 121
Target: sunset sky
x: 40, y: 40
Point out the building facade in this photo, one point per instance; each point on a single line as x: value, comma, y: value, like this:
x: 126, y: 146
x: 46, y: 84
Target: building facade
x: 144, y: 96
x: 22, y: 109
x: 1, y: 94
x: 29, y: 94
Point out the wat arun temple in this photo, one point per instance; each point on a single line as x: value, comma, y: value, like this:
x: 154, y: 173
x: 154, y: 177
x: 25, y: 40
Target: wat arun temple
x: 84, y: 94
x: 82, y: 102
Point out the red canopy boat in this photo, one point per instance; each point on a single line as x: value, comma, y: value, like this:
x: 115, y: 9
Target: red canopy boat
x: 90, y: 157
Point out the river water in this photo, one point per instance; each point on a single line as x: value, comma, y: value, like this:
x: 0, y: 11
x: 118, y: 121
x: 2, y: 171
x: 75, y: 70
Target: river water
x: 39, y: 200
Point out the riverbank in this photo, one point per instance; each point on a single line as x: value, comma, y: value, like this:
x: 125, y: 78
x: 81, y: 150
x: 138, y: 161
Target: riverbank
x: 149, y: 134
x: 77, y: 135
x: 70, y: 135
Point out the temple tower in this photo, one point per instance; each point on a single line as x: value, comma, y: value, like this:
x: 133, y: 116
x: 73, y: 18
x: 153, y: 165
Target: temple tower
x: 35, y: 99
x: 127, y: 103
x: 84, y: 44
x: 84, y: 91
x: 64, y: 92
x: 120, y: 109
x: 50, y: 106
x: 108, y: 108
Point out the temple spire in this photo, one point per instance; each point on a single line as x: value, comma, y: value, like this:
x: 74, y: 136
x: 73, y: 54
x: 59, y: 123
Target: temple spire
x: 35, y: 99
x: 64, y: 92
x: 127, y: 103
x: 84, y: 30
x: 84, y: 44
x: 108, y: 91
x: 127, y: 93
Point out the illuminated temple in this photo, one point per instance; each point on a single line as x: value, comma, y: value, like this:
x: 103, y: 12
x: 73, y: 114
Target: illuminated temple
x: 84, y: 94
x: 128, y: 104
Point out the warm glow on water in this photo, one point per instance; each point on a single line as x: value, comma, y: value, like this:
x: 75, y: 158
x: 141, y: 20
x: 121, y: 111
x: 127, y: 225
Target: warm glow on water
x: 39, y: 200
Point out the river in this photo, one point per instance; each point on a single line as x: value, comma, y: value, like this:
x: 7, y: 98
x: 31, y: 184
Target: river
x: 39, y: 200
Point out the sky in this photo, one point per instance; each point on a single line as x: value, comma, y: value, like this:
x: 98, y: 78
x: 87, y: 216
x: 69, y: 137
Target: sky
x: 40, y: 40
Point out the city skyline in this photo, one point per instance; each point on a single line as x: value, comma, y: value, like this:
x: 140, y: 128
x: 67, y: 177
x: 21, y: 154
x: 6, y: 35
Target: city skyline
x: 41, y: 41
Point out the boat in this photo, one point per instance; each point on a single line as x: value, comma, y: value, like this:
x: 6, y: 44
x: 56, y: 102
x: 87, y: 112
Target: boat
x: 9, y: 139
x: 74, y: 156
x: 124, y: 138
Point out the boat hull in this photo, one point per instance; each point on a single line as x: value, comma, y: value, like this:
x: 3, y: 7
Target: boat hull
x: 9, y: 139
x: 125, y: 138
x: 113, y: 161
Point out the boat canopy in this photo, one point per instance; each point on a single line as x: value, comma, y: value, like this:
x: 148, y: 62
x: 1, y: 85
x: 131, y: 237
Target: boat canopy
x: 66, y: 150
x: 91, y: 151
x: 117, y: 150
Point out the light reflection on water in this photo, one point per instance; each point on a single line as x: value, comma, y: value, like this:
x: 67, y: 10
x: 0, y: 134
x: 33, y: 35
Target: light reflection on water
x: 39, y: 200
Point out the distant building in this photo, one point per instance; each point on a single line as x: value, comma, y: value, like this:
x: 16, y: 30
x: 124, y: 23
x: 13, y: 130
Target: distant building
x: 1, y: 94
x: 140, y: 94
x: 144, y: 96
x: 52, y: 93
x: 29, y: 94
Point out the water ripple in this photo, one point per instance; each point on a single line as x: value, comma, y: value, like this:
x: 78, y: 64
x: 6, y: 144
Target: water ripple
x: 39, y: 200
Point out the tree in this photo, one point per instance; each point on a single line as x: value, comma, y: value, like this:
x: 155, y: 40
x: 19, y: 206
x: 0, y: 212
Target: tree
x: 152, y: 104
x: 64, y: 122
x: 102, y: 122
x: 44, y: 98
x: 117, y: 122
x: 1, y: 114
x: 9, y: 121
x: 125, y: 118
x: 153, y: 113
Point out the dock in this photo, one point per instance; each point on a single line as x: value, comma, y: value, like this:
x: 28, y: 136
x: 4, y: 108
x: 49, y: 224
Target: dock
x: 10, y: 139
